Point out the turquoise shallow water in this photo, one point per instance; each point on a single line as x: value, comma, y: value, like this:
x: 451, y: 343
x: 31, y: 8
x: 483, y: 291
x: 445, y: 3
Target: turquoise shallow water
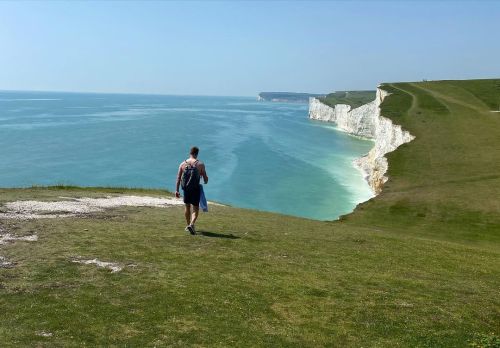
x: 260, y: 155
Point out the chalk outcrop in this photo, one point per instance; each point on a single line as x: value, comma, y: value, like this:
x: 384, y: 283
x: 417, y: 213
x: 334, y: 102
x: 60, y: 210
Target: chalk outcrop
x: 367, y: 122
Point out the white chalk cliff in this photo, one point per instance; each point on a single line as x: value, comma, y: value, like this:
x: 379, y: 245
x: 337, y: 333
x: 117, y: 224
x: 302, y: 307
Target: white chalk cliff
x: 365, y: 121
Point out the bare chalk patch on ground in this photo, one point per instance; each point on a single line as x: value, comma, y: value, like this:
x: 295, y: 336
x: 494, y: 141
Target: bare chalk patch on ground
x: 113, y: 266
x: 4, y: 263
x: 7, y: 237
x: 44, y: 334
x: 71, y: 207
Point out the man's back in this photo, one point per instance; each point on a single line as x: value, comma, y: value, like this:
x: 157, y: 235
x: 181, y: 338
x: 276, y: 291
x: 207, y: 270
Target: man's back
x: 199, y: 164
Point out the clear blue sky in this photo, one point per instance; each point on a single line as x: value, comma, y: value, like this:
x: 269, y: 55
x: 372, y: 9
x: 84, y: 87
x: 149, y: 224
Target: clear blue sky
x: 241, y: 48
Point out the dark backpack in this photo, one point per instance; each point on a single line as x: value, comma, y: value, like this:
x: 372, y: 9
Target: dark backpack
x: 190, y: 177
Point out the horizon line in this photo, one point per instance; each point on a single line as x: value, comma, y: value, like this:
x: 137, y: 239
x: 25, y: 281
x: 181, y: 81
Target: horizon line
x: 126, y: 93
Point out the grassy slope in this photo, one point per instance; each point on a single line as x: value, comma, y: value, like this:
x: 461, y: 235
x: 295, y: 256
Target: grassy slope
x: 352, y: 98
x: 417, y: 266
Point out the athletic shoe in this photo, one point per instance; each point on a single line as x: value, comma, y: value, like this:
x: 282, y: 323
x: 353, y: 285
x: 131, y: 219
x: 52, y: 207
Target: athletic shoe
x: 186, y: 229
x: 191, y: 229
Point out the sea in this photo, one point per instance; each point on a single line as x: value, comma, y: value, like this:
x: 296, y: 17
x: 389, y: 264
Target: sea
x: 261, y: 155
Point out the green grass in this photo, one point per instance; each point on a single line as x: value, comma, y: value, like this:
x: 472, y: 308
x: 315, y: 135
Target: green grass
x: 352, y: 98
x: 417, y: 266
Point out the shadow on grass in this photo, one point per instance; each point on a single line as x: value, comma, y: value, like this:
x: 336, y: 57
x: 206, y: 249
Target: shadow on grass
x: 218, y: 235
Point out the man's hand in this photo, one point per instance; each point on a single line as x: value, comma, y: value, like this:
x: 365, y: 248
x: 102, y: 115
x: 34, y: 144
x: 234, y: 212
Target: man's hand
x: 177, y: 194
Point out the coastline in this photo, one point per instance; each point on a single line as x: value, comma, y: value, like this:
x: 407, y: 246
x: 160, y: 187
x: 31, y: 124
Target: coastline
x: 367, y: 122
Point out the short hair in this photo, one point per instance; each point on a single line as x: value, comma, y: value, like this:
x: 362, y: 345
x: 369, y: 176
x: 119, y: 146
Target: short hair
x: 194, y: 151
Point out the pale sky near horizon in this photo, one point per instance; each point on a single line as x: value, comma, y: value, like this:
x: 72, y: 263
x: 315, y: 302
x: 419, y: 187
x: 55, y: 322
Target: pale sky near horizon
x: 242, y: 48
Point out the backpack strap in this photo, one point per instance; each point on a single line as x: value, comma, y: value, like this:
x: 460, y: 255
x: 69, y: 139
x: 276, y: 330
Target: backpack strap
x: 193, y: 165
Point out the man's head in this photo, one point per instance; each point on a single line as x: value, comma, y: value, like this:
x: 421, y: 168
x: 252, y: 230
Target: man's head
x: 194, y: 151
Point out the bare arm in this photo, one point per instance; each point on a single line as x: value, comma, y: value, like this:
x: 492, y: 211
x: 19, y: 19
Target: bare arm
x: 203, y: 173
x: 178, y: 181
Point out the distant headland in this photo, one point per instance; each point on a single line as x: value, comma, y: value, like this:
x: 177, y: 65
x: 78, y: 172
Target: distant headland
x: 287, y: 97
x: 352, y: 98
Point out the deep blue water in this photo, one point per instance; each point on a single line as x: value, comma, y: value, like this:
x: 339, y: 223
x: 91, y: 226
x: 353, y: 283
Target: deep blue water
x: 261, y: 155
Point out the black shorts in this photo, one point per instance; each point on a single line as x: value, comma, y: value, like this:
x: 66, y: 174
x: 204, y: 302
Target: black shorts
x: 192, y: 197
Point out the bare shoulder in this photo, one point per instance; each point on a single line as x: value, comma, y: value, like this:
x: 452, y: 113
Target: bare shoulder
x: 201, y: 167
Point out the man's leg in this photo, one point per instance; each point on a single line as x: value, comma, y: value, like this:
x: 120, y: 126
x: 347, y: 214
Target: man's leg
x: 194, y: 216
x: 187, y: 213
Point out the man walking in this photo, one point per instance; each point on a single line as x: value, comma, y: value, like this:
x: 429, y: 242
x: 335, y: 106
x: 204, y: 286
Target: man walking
x: 188, y: 177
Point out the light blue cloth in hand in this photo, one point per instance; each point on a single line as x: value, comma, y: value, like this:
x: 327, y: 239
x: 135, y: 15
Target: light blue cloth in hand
x: 203, y: 200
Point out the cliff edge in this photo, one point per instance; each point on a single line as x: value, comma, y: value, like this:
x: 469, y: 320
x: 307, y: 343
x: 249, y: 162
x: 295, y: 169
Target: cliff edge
x: 366, y: 121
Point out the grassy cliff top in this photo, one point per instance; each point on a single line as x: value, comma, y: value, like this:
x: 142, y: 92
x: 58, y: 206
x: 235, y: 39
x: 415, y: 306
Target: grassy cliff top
x: 446, y: 182
x: 353, y: 98
x: 417, y: 266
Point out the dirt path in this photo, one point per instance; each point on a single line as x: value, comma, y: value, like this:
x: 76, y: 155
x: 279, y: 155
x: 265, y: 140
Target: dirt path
x: 447, y: 99
x: 414, y: 103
